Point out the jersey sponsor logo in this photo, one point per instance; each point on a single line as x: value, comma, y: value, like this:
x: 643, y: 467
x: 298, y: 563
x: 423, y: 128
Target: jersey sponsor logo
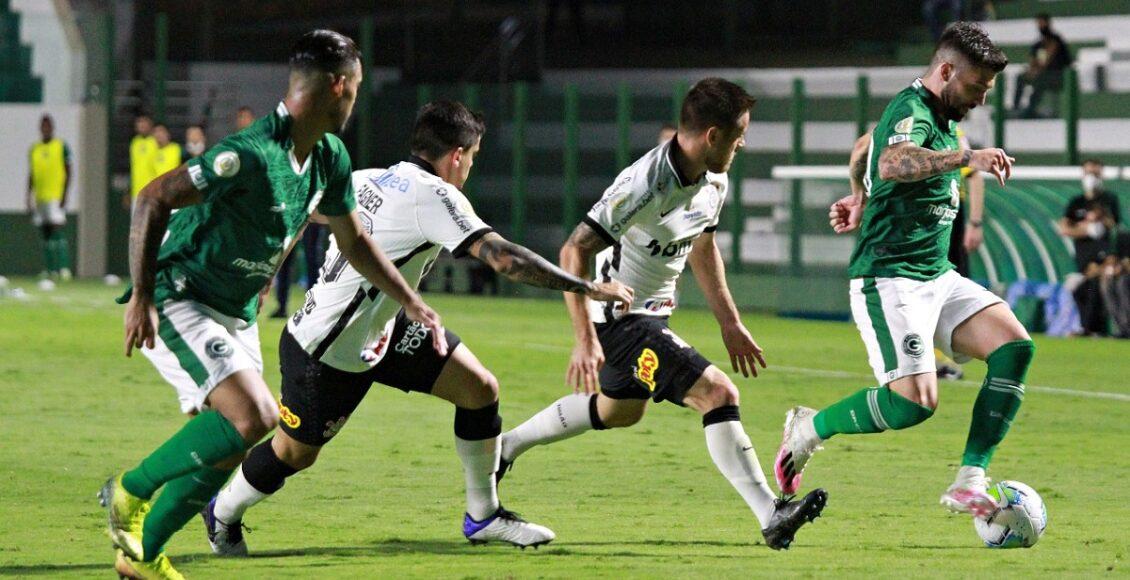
x: 307, y: 308
x: 458, y: 216
x: 647, y: 365
x: 672, y: 249
x: 632, y: 212
x: 288, y: 417
x: 390, y: 180
x: 266, y: 269
x: 905, y: 125
x: 367, y: 222
x: 333, y: 427
x: 371, y: 354
x: 690, y: 215
x: 912, y: 345
x: 657, y: 305
x: 368, y: 198
x: 414, y: 336
x: 217, y: 348
x: 226, y: 164
x: 946, y: 213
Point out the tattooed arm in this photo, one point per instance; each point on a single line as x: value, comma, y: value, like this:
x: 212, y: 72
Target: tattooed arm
x: 906, y: 162
x: 151, y: 212
x: 521, y: 264
x: 588, y: 356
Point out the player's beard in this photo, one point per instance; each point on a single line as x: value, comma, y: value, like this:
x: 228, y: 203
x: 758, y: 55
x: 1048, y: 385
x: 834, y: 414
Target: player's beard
x: 951, y: 107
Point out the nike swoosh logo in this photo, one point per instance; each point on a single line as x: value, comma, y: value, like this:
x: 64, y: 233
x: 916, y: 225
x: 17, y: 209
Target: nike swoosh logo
x: 666, y: 213
x: 747, y: 448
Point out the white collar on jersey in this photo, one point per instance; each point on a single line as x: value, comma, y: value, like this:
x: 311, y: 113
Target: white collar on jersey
x: 299, y: 170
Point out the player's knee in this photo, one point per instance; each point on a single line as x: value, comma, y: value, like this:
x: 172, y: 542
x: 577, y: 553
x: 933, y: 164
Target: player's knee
x: 256, y: 423
x: 717, y: 390
x: 620, y: 416
x: 297, y: 457
x: 900, y: 411
x: 481, y: 390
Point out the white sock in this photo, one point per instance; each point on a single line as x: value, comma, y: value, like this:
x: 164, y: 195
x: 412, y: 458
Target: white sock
x: 565, y: 418
x: 236, y: 497
x: 480, y: 461
x: 733, y: 453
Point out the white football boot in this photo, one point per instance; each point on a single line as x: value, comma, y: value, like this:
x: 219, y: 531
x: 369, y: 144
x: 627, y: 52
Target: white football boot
x: 799, y: 443
x: 506, y: 526
x: 969, y: 493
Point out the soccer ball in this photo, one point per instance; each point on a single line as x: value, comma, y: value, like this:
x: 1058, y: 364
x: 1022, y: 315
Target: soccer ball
x: 1019, y: 522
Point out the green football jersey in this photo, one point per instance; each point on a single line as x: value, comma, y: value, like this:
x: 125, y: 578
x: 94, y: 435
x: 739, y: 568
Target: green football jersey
x: 223, y: 251
x: 905, y: 231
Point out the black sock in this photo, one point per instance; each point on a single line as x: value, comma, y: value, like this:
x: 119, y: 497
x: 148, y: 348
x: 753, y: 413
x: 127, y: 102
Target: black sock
x: 478, y: 424
x: 264, y: 470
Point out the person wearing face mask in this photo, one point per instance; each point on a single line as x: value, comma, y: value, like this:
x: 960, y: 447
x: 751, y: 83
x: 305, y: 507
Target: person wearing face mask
x: 195, y: 142
x: 1089, y: 220
x: 1048, y: 58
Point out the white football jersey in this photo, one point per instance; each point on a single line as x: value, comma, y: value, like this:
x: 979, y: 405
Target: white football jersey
x: 412, y: 214
x: 651, y: 216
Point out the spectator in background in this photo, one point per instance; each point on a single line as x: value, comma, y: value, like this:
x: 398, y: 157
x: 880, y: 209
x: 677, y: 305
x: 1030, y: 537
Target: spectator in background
x: 141, y: 150
x: 1089, y: 221
x: 243, y: 118
x: 49, y: 175
x: 1047, y: 60
x: 195, y: 142
x: 167, y: 156
x: 1114, y: 284
x: 932, y: 13
x: 666, y: 133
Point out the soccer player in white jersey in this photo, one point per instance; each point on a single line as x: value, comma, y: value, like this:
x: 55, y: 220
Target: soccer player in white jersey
x: 348, y: 335
x: 660, y: 214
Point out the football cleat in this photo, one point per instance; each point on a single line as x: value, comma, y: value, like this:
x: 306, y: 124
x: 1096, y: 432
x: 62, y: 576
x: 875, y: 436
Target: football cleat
x: 126, y: 515
x: 159, y: 569
x: 796, y: 449
x: 788, y: 517
x: 226, y: 539
x: 506, y: 526
x: 969, y: 494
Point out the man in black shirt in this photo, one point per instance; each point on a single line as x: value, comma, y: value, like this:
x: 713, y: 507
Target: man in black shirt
x: 1047, y: 60
x: 1089, y: 221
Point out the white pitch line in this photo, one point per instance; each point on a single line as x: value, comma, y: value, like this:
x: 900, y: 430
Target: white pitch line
x: 853, y: 375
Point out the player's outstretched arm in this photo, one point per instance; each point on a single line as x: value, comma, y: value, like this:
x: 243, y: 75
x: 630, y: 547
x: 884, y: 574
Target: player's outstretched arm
x: 521, y: 264
x: 155, y: 202
x: 710, y: 273
x: 587, y: 358
x: 368, y: 259
x: 906, y: 162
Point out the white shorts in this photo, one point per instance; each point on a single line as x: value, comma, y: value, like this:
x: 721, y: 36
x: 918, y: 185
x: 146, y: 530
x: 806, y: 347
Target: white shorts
x: 197, y: 348
x: 48, y: 213
x: 903, y: 320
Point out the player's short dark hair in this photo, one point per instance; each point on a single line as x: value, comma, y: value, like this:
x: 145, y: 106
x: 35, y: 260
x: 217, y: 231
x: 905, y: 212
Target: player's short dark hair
x: 47, y: 117
x: 445, y: 125
x: 1044, y: 16
x: 323, y: 51
x: 714, y: 102
x: 972, y: 42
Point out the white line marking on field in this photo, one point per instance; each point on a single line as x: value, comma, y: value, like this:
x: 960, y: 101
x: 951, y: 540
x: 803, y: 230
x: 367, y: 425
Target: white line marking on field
x: 854, y: 375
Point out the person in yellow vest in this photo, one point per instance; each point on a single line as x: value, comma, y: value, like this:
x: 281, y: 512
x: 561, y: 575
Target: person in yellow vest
x: 49, y: 174
x: 965, y: 238
x: 167, y: 156
x: 141, y: 150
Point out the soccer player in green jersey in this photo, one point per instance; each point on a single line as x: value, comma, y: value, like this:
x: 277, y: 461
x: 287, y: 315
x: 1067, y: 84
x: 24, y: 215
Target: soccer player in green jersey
x: 906, y: 297
x: 195, y: 296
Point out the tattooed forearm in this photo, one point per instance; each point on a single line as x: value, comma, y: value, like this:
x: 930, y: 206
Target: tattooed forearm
x: 586, y: 239
x: 150, y: 221
x: 906, y: 163
x: 523, y: 265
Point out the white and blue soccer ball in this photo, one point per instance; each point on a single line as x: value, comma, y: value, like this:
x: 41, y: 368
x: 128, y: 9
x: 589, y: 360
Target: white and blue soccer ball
x: 1020, y: 521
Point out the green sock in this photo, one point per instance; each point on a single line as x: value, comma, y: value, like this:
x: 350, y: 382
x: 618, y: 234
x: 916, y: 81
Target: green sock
x: 178, y: 503
x: 205, y: 440
x: 869, y: 411
x: 999, y: 400
x: 62, y: 260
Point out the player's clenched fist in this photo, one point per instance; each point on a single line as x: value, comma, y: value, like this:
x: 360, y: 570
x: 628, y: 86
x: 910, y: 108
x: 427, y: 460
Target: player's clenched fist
x: 141, y: 324
x: 994, y: 161
x: 845, y: 214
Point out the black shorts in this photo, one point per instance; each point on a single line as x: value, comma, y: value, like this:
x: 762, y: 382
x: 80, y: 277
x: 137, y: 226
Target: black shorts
x: 644, y: 359
x: 318, y: 399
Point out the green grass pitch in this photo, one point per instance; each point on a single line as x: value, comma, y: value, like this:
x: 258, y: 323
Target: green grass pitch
x: 386, y: 499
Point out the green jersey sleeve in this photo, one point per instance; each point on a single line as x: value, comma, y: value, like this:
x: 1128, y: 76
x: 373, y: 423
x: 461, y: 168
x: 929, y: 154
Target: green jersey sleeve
x: 339, y: 198
x: 231, y: 163
x: 909, y: 122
